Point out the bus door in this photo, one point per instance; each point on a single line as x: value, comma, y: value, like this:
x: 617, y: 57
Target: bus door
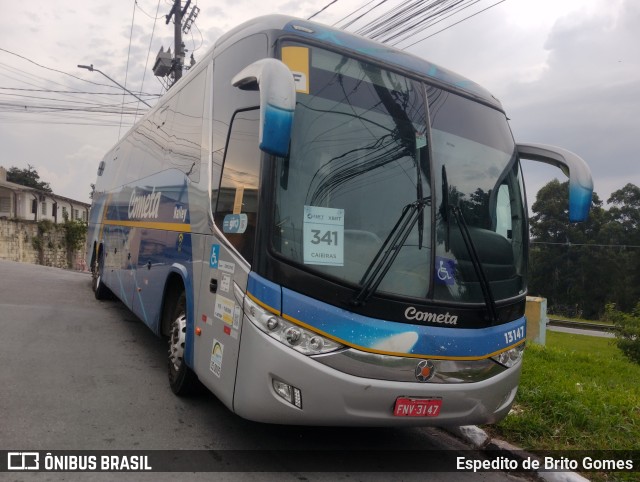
x: 230, y: 256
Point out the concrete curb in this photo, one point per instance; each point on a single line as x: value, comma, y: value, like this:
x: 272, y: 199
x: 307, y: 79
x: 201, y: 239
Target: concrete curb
x: 479, y: 439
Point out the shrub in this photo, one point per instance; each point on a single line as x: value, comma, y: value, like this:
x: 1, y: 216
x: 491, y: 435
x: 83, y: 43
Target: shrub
x: 627, y: 330
x: 75, y: 234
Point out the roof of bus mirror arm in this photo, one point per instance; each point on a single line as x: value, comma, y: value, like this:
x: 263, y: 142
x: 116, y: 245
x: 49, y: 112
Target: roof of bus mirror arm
x: 359, y: 45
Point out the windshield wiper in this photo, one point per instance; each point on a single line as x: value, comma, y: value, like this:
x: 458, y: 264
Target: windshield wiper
x: 485, y: 286
x: 386, y: 255
x: 477, y: 264
x: 445, y: 208
x: 420, y: 194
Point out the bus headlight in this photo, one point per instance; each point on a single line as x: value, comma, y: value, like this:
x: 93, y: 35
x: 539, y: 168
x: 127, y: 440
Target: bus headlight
x: 510, y: 357
x: 288, y: 333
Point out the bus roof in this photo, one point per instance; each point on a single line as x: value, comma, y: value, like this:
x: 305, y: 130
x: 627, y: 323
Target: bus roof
x: 406, y: 62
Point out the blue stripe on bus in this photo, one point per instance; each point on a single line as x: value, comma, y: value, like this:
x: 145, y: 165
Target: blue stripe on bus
x: 265, y: 291
x: 387, y: 337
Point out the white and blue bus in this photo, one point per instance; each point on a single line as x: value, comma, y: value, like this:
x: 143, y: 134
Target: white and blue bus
x: 327, y: 230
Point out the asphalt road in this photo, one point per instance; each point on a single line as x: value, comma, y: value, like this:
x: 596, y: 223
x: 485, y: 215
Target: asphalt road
x: 80, y: 374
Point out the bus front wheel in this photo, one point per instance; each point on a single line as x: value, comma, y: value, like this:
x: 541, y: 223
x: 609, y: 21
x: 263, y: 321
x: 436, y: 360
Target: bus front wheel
x: 181, y: 378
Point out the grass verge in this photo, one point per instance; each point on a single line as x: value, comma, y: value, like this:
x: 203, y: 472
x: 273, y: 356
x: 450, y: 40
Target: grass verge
x: 577, y: 393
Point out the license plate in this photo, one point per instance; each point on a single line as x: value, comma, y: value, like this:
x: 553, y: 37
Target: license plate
x: 417, y: 407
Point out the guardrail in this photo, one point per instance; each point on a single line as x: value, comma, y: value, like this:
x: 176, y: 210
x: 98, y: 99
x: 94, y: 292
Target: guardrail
x: 580, y: 324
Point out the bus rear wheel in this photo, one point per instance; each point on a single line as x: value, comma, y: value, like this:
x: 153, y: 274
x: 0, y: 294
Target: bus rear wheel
x: 181, y: 378
x: 100, y: 290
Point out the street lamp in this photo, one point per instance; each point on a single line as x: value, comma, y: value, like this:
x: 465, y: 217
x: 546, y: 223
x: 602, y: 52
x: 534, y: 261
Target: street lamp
x: 90, y: 68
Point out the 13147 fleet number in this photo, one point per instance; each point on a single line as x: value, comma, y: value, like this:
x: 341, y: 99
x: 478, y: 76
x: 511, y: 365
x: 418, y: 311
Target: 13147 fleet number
x: 513, y: 336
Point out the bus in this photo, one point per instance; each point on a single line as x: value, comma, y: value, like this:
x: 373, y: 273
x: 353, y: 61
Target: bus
x: 327, y: 231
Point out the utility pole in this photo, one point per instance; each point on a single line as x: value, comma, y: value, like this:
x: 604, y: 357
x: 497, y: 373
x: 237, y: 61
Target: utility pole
x: 165, y: 66
x: 178, y: 59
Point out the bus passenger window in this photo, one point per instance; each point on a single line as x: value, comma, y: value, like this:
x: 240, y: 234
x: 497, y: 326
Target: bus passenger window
x: 237, y: 205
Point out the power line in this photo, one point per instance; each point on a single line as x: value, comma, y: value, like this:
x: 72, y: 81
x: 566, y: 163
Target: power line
x: 322, y: 9
x: 59, y: 122
x: 454, y: 24
x: 353, y: 13
x: 54, y: 70
x: 451, y: 10
x: 56, y: 100
x: 24, y: 75
x: 84, y: 92
x: 405, y: 19
x: 351, y: 22
x: 44, y: 109
x: 144, y: 73
x: 126, y: 72
x: 195, y: 49
x: 569, y: 244
x: 41, y: 80
x: 150, y: 16
x: 402, y: 21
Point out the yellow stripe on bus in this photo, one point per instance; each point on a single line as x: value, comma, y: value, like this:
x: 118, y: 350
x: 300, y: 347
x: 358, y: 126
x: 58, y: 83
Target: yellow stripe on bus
x: 177, y: 227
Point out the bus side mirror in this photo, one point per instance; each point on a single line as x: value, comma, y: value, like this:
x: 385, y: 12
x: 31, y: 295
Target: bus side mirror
x: 277, y: 102
x: 580, y: 181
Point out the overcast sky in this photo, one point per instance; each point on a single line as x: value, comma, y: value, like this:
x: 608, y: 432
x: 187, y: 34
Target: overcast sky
x: 566, y: 71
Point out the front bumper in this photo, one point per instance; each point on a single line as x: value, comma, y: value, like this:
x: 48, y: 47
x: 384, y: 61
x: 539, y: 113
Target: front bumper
x: 331, y: 397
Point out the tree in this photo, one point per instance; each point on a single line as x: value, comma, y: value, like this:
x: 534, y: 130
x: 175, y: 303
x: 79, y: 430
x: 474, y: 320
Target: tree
x: 583, y: 266
x: 625, y: 231
x: 27, y: 177
x: 567, y: 265
x: 626, y: 211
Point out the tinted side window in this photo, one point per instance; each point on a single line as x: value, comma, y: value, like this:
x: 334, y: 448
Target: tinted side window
x: 186, y: 128
x: 237, y: 205
x: 171, y: 138
x: 228, y: 99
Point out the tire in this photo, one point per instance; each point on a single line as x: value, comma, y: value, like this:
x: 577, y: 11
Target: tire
x: 100, y: 290
x: 182, y: 380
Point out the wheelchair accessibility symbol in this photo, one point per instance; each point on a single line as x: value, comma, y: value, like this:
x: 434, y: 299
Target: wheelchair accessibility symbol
x: 445, y: 271
x: 215, y: 255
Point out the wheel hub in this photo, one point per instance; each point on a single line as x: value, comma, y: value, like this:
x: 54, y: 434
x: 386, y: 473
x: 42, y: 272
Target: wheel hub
x: 177, y: 341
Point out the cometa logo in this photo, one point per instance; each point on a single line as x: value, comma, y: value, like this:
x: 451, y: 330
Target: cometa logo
x: 144, y: 206
x: 412, y: 313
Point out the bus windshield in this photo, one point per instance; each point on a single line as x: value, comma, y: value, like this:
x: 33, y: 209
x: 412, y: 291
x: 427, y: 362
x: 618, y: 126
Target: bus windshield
x: 360, y: 157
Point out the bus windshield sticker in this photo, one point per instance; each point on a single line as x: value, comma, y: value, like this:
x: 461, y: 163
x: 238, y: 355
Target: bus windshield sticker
x: 216, y: 358
x: 445, y: 271
x: 235, y: 223
x: 323, y: 236
x: 224, y: 309
x: 215, y: 256
x: 297, y: 59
